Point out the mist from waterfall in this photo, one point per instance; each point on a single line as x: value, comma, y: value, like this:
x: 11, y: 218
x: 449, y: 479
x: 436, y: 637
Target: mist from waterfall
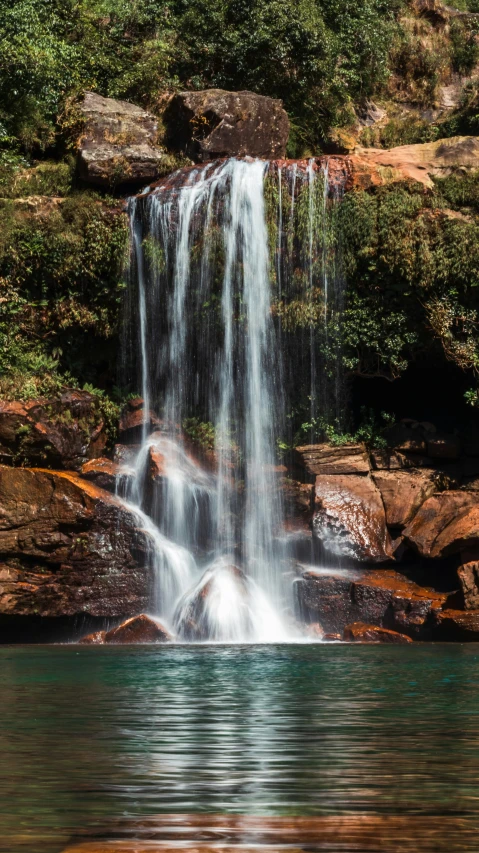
x: 209, y: 281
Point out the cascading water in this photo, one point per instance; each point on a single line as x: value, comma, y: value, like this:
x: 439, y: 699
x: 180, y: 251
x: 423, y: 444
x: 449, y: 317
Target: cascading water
x: 209, y: 288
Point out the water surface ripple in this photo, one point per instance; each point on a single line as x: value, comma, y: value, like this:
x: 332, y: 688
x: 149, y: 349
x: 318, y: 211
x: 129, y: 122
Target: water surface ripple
x: 96, y: 741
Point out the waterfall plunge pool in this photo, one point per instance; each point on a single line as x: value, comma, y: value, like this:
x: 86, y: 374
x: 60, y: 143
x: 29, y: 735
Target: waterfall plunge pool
x: 104, y: 742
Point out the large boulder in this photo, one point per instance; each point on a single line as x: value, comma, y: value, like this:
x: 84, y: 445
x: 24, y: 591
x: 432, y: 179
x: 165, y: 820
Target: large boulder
x: 349, y: 518
x: 216, y: 123
x: 68, y: 548
x: 403, y: 492
x: 106, y: 474
x: 138, y: 629
x: 447, y: 523
x: 384, y: 598
x: 457, y: 625
x: 118, y: 144
x: 63, y: 432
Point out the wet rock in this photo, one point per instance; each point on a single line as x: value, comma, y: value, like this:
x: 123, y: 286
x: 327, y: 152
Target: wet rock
x: 447, y: 523
x: 104, y: 473
x: 468, y: 573
x: 325, y: 459
x: 457, y: 625
x: 361, y: 632
x: 403, y: 492
x: 97, y: 638
x: 134, y: 420
x: 216, y: 123
x: 63, y: 432
x: 349, y: 518
x: 68, y: 548
x: 138, y: 629
x: 118, y: 144
x: 383, y: 598
x: 218, y: 608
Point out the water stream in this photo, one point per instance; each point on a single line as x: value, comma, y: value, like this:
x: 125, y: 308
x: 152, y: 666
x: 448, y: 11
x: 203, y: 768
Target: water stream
x: 214, y: 262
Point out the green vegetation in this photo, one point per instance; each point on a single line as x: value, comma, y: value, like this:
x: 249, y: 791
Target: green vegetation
x: 61, y: 264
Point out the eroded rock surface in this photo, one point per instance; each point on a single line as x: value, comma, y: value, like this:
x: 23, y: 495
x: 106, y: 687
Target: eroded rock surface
x: 216, y: 123
x: 361, y: 632
x: 403, y: 492
x: 63, y: 432
x: 447, y: 523
x: 326, y: 459
x: 118, y: 144
x: 383, y: 598
x: 349, y: 518
x: 68, y: 547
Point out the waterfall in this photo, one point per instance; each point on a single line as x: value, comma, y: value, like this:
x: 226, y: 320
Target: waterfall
x: 215, y: 254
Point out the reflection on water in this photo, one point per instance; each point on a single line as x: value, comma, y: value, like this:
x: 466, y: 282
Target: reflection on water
x: 94, y: 739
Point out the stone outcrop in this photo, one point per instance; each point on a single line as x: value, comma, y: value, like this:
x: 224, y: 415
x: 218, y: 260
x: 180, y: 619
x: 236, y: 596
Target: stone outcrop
x: 375, y: 166
x: 457, y: 625
x: 134, y: 420
x: 63, y: 432
x: 215, y: 123
x: 468, y: 574
x: 138, y: 629
x: 103, y: 473
x: 361, y: 632
x: 68, y: 547
x: 383, y: 598
x: 323, y: 458
x: 118, y: 144
x: 404, y: 492
x: 349, y: 518
x: 447, y: 523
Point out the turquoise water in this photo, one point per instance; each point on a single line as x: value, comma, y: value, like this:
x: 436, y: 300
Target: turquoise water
x: 90, y: 736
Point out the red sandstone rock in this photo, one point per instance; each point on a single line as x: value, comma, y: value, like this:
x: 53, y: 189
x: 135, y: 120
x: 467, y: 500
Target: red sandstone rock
x: 97, y: 638
x: 132, y: 422
x: 457, y: 625
x: 349, y: 518
x: 138, y: 629
x: 377, y: 597
x: 468, y: 574
x: 360, y: 632
x: 326, y: 459
x: 103, y: 473
x: 63, y: 432
x: 447, y: 523
x: 68, y: 547
x: 403, y: 492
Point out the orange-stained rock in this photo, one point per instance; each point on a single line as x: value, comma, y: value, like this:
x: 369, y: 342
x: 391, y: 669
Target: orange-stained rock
x: 134, y: 420
x: 457, y: 625
x: 97, y: 638
x: 326, y: 459
x: 403, y: 492
x: 383, y: 597
x: 63, y: 432
x: 361, y: 632
x: 68, y: 548
x: 138, y: 629
x: 447, y: 523
x: 105, y: 474
x: 349, y: 518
